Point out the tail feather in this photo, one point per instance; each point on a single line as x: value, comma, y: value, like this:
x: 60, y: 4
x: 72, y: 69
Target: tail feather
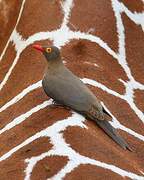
x: 107, y: 127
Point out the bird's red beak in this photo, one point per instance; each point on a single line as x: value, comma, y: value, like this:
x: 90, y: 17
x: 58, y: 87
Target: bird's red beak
x: 38, y: 47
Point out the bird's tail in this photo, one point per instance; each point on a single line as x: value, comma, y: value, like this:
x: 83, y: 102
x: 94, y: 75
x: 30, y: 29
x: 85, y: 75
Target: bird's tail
x: 107, y: 127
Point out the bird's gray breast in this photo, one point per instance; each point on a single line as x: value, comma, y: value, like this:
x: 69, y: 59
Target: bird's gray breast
x: 67, y: 89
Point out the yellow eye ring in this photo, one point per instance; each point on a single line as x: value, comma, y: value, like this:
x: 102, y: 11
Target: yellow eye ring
x: 48, y: 50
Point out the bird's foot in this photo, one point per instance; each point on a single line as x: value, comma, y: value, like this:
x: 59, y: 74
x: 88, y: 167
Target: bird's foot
x: 56, y: 104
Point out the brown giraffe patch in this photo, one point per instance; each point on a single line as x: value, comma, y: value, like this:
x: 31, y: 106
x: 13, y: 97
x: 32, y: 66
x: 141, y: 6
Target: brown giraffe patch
x: 15, y: 165
x: 139, y: 99
x: 105, y: 70
x: 48, y: 167
x: 9, y: 11
x: 91, y: 172
x: 7, y: 60
x: 134, y: 48
x: 29, y: 69
x: 135, y: 5
x: 97, y: 18
x: 45, y: 16
x: 35, y: 123
x: 88, y: 143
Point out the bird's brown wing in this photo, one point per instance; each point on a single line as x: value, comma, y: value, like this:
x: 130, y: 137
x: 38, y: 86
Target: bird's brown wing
x: 95, y: 113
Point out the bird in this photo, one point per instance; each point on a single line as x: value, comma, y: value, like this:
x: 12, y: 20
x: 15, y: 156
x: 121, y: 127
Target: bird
x: 66, y: 89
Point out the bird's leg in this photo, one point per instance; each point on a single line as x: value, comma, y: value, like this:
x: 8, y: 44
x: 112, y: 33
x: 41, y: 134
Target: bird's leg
x: 57, y: 104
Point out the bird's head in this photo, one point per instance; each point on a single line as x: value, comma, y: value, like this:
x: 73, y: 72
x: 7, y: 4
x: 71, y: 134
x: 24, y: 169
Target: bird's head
x: 50, y: 52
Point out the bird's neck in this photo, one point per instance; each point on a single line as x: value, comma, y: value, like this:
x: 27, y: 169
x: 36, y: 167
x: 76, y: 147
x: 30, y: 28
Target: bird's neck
x: 54, y: 65
x: 55, y: 62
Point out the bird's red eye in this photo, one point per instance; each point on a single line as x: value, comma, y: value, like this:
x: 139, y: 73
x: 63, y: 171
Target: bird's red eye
x: 48, y: 50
